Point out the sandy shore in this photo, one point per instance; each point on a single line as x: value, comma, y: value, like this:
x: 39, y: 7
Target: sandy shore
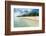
x: 26, y: 22
x: 32, y: 18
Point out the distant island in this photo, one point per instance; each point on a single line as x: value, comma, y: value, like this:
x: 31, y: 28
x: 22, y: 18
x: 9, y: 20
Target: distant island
x: 21, y: 12
x: 30, y: 14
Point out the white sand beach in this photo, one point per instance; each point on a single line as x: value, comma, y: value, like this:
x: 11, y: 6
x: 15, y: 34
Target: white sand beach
x: 26, y: 21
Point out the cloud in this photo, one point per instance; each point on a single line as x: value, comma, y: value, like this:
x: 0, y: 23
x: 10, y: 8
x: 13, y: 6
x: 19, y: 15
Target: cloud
x: 22, y: 11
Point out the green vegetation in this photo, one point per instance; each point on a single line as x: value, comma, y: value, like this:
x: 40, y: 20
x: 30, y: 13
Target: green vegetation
x: 30, y: 14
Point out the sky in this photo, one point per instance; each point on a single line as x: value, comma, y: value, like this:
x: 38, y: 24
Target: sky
x: 22, y: 11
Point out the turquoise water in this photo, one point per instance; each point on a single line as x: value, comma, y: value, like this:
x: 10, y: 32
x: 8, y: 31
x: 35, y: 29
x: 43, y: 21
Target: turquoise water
x: 22, y: 22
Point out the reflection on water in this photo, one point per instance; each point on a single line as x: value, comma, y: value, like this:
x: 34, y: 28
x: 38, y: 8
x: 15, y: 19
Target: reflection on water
x: 25, y: 22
